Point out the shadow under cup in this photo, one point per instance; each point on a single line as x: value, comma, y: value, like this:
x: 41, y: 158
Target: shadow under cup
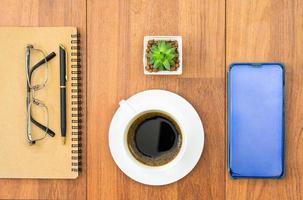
x: 154, y: 138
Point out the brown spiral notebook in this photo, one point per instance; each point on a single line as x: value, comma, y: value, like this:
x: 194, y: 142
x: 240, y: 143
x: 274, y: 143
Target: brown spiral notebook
x: 48, y: 158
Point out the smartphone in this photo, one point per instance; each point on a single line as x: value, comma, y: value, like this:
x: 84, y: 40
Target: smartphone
x: 256, y: 120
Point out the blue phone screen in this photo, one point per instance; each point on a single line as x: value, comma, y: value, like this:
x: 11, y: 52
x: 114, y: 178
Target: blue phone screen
x: 256, y: 120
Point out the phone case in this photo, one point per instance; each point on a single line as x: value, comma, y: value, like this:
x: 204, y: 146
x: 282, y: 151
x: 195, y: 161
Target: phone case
x: 256, y: 120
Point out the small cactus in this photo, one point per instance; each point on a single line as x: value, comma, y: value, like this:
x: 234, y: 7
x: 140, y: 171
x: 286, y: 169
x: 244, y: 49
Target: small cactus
x: 162, y: 55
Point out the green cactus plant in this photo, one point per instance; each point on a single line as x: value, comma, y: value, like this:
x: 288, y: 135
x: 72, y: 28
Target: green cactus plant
x: 162, y: 55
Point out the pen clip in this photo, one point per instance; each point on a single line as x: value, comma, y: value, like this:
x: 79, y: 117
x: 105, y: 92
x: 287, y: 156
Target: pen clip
x: 66, y: 77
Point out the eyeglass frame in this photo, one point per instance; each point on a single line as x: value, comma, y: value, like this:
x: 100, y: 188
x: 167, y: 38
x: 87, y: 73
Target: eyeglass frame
x: 31, y: 99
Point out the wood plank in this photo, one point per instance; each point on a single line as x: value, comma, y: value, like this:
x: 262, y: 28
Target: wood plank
x: 115, y: 47
x: 267, y: 31
x: 46, y: 13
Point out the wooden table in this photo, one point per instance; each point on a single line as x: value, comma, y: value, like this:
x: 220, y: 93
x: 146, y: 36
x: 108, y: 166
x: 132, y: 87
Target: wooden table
x: 215, y: 33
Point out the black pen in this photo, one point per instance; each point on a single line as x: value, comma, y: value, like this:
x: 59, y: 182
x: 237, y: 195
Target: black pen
x: 63, y: 79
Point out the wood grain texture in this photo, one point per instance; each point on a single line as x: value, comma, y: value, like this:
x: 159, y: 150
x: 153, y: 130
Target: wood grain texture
x: 256, y: 30
x: 46, y: 13
x: 267, y: 31
x: 115, y: 48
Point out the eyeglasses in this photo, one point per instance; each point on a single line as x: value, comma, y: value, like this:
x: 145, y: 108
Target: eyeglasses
x: 36, y: 76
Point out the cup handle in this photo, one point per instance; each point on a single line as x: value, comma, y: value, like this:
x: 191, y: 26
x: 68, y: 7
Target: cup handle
x: 129, y: 110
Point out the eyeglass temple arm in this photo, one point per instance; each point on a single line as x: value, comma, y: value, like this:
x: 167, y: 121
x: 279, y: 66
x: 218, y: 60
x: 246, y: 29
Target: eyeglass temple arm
x: 41, y: 62
x: 44, y: 128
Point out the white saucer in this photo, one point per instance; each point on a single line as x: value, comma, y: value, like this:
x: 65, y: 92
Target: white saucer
x: 192, y: 141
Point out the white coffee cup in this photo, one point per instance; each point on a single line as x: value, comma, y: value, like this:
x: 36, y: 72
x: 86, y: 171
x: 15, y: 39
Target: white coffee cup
x: 131, y: 114
x: 181, y: 112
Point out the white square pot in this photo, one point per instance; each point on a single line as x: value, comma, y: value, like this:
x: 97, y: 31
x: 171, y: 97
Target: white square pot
x: 178, y: 39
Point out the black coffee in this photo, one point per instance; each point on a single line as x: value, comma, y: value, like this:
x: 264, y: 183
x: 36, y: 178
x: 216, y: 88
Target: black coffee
x: 154, y: 138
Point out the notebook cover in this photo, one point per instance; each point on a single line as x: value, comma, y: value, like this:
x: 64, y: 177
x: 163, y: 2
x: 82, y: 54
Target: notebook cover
x: 256, y: 120
x: 48, y: 158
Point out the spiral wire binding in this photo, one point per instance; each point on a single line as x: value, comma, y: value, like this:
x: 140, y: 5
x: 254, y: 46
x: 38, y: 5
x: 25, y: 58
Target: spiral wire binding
x: 76, y: 84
